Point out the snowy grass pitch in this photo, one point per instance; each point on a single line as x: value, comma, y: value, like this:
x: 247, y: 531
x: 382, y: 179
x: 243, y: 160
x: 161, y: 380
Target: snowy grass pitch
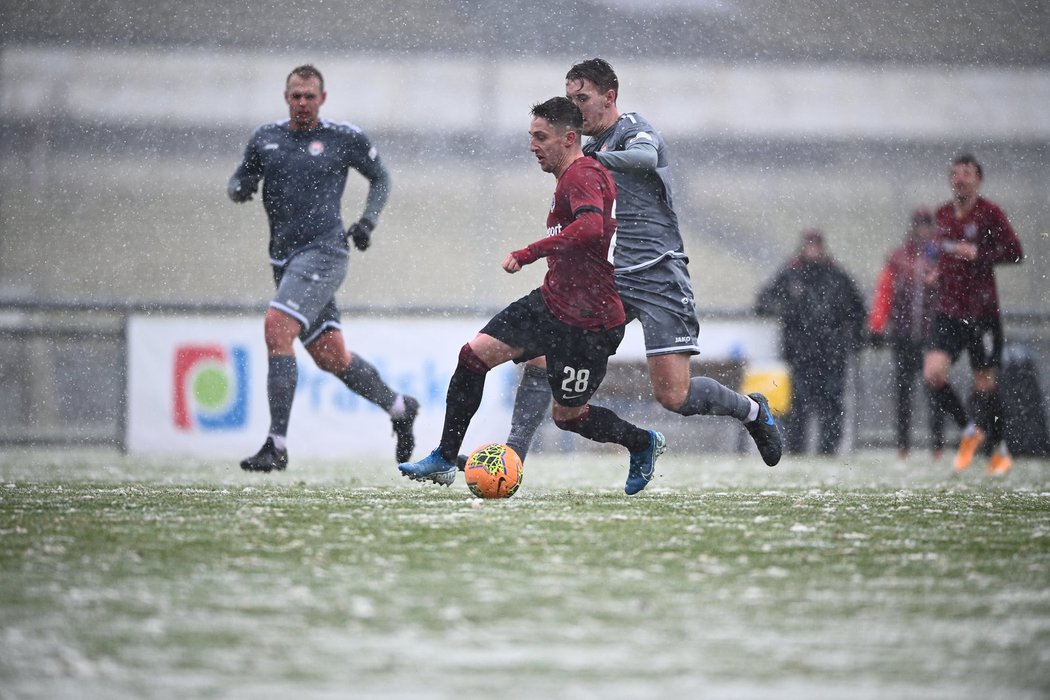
x: 858, y: 577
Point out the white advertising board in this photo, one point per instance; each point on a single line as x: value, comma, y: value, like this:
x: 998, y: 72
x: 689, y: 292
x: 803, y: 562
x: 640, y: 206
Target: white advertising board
x: 197, y: 386
x: 747, y: 340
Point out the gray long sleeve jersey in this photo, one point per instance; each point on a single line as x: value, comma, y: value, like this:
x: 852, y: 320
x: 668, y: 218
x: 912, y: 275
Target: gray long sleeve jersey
x: 304, y: 174
x: 647, y: 226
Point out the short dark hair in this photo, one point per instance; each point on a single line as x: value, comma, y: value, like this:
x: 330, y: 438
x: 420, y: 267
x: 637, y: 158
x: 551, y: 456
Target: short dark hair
x: 306, y: 72
x: 969, y: 159
x: 922, y: 216
x: 561, y: 112
x: 599, y: 72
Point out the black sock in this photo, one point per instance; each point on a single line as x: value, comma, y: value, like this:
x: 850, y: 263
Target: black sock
x: 948, y: 401
x: 461, y: 403
x: 988, y: 414
x: 602, y: 425
x: 281, y: 379
x: 997, y: 429
x: 363, y: 379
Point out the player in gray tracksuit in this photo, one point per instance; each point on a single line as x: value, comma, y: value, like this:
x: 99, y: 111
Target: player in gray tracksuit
x: 651, y: 272
x: 303, y: 163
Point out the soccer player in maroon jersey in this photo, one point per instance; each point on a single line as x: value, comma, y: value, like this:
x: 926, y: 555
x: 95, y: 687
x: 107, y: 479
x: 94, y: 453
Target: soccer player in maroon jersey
x: 973, y: 235
x: 651, y: 269
x: 575, y: 318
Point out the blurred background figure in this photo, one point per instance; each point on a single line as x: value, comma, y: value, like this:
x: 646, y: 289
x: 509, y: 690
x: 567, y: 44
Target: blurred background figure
x: 901, y: 313
x: 973, y: 236
x: 822, y: 317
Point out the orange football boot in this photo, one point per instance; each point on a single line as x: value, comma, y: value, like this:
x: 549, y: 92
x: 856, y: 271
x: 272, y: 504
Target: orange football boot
x: 968, y: 445
x: 1000, y: 463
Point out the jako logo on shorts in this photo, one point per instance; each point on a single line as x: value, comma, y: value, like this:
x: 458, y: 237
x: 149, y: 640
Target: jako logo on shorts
x: 211, y: 387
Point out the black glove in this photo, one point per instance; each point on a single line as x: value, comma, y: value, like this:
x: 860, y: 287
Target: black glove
x: 876, y: 340
x: 361, y: 233
x: 237, y: 193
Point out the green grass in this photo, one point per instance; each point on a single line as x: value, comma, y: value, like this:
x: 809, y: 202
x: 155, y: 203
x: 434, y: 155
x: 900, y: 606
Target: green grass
x: 857, y: 577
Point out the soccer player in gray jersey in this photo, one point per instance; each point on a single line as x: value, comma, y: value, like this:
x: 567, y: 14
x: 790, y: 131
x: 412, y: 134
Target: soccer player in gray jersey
x: 303, y: 162
x: 651, y: 272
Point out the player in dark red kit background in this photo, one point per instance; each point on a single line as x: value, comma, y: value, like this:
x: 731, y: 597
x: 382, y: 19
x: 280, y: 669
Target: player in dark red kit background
x: 575, y: 318
x: 973, y: 236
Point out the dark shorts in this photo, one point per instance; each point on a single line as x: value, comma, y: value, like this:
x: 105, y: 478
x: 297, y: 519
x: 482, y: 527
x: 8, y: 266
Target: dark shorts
x: 661, y: 299
x: 577, y: 359
x: 306, y: 286
x: 982, y: 339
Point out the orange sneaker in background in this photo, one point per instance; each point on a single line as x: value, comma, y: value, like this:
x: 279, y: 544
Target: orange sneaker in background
x: 1000, y: 463
x: 968, y: 445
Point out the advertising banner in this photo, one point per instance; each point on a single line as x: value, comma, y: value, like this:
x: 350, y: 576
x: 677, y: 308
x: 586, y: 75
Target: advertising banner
x: 197, y: 386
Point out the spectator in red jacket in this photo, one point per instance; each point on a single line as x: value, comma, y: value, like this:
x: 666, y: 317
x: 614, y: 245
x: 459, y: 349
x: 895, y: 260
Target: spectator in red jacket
x: 901, y: 313
x: 973, y: 236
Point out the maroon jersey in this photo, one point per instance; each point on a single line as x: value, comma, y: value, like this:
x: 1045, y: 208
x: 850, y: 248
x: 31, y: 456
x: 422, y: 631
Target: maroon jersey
x: 967, y: 287
x: 579, y: 287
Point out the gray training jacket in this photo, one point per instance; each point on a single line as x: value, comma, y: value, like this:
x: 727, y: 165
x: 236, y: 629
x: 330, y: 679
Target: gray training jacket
x: 647, y: 226
x: 304, y: 174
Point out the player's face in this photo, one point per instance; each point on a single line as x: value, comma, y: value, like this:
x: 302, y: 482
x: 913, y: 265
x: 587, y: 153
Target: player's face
x: 812, y: 251
x: 599, y: 110
x: 549, y: 144
x: 925, y: 232
x: 304, y: 97
x: 964, y: 181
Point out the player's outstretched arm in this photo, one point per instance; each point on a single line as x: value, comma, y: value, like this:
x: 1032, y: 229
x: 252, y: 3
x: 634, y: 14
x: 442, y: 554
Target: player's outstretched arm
x: 511, y: 263
x: 640, y: 156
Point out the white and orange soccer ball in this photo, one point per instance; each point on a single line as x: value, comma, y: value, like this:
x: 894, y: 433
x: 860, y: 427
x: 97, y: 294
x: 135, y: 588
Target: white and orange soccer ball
x: 493, y: 471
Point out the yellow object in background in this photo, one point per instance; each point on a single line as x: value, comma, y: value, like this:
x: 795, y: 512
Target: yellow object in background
x: 771, y: 379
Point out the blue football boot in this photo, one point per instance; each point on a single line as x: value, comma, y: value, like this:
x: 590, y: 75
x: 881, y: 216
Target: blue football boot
x: 643, y: 464
x: 765, y: 431
x: 434, y: 467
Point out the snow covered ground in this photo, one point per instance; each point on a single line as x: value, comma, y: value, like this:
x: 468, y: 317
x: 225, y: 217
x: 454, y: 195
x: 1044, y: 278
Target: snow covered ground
x: 857, y: 577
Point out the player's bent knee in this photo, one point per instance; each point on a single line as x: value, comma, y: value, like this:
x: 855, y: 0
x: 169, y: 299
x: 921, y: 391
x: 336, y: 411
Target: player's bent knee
x: 330, y: 362
x: 539, y: 363
x: 671, y: 400
x: 468, y: 359
x: 984, y: 382
x: 935, y: 380
x: 568, y: 418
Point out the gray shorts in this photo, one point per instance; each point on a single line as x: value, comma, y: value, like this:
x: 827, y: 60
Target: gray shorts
x: 306, y: 286
x: 661, y: 297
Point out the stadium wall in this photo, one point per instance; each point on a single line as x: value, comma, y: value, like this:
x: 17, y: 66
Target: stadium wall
x: 455, y: 94
x: 116, y: 161
x: 112, y: 191
x: 82, y: 374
